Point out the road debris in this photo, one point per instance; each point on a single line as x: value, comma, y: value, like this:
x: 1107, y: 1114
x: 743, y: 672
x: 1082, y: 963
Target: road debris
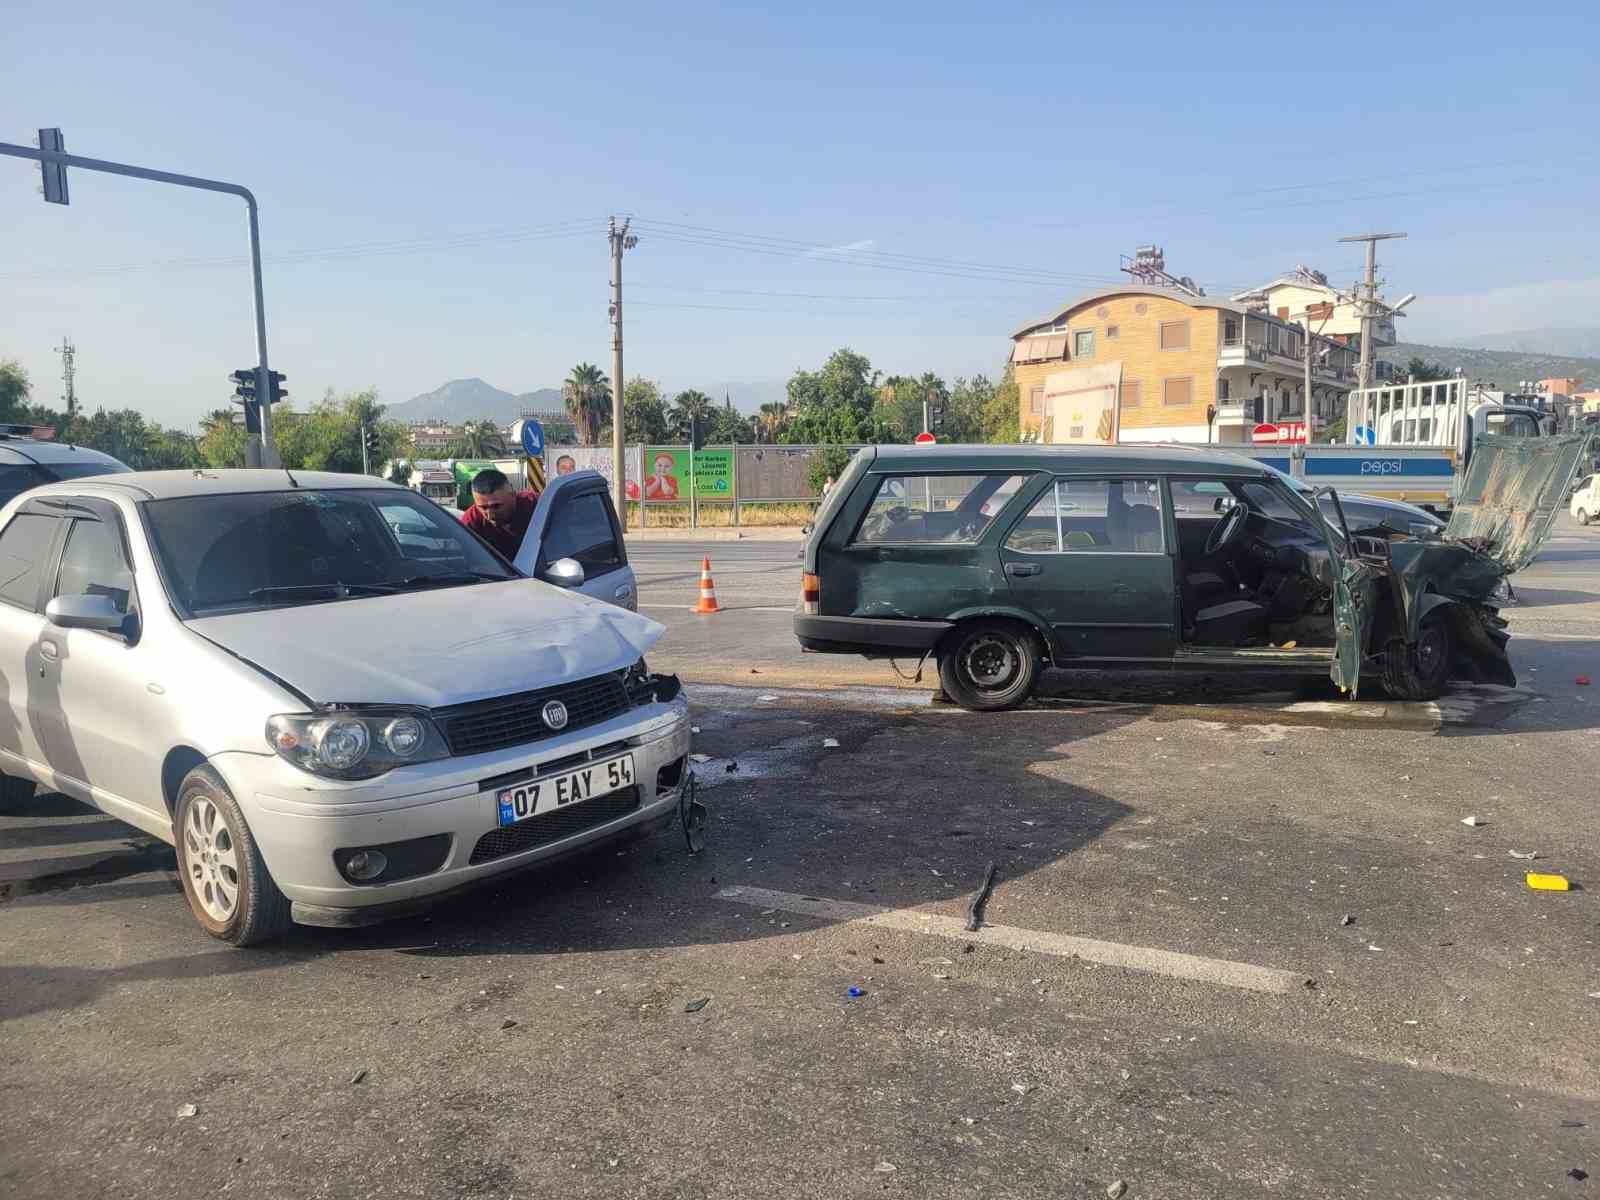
x: 508, y: 1023
x: 1347, y: 919
x: 766, y: 699
x: 1022, y: 1089
x: 1530, y: 855
x: 1572, y: 1124
x: 359, y: 1076
x: 731, y: 768
x: 187, y: 1110
x: 1548, y: 883
x: 941, y: 975
x: 1578, y: 1173
x: 1583, y: 681
x: 1374, y: 949
x: 885, y: 1168
x: 1474, y: 821
x: 975, y: 909
x: 694, y: 729
x: 697, y: 1005
x: 830, y: 743
x: 1116, y: 1189
x: 855, y: 993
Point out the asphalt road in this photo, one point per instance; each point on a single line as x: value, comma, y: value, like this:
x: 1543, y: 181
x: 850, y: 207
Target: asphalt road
x: 1167, y: 993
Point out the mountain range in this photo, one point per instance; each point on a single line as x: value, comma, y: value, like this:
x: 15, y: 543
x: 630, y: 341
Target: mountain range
x: 475, y: 400
x: 1503, y: 369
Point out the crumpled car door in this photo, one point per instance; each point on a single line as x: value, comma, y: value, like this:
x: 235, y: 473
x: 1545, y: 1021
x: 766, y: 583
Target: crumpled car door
x: 1355, y: 593
x: 1514, y: 487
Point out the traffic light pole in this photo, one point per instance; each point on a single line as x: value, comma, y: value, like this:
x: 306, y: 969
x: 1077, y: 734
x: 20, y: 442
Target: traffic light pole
x: 263, y: 384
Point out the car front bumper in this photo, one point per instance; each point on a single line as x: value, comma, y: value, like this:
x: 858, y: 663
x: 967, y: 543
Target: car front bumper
x: 299, y: 820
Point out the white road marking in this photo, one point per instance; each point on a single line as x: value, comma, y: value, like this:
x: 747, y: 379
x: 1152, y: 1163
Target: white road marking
x: 1059, y: 945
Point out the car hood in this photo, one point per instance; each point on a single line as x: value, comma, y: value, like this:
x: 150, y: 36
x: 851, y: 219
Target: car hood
x: 1363, y: 511
x: 1514, y: 488
x: 438, y: 647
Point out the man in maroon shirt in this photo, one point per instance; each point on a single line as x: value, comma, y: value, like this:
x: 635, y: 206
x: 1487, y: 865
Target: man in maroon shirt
x: 499, y: 513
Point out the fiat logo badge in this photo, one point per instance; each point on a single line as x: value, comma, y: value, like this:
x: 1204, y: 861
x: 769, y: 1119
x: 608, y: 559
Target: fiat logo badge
x: 555, y: 715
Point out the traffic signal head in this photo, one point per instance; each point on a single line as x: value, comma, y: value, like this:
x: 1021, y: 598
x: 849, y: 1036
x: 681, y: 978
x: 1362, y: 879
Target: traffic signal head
x: 369, y: 435
x: 697, y: 433
x: 275, y: 388
x: 244, y: 383
x: 935, y: 416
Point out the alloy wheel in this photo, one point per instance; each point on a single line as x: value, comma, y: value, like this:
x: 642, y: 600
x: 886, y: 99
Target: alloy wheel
x: 211, y: 859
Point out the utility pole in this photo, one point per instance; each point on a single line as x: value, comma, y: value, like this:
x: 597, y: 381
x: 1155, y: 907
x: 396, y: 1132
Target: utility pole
x: 620, y: 241
x: 70, y: 396
x: 1368, y: 307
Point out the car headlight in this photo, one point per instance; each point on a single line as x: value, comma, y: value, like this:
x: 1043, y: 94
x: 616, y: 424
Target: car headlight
x: 355, y: 743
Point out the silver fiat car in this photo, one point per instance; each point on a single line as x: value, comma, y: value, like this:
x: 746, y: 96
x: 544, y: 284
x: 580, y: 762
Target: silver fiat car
x: 330, y: 697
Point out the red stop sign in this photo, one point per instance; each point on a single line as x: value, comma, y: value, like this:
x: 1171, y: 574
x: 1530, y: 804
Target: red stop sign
x: 925, y: 438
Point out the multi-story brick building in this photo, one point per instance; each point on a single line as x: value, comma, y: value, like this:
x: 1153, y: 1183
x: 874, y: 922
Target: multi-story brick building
x: 1137, y: 363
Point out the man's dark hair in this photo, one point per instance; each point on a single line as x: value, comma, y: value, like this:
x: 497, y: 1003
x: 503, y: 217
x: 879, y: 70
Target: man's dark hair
x: 489, y: 480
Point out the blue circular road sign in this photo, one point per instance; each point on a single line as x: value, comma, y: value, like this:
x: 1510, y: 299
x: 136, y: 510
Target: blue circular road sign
x: 533, y: 439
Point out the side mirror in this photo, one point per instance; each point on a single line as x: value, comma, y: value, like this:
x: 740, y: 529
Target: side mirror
x: 564, y: 572
x: 85, y: 612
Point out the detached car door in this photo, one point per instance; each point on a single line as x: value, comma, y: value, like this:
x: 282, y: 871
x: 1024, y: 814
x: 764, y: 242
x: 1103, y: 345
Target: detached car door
x: 576, y: 519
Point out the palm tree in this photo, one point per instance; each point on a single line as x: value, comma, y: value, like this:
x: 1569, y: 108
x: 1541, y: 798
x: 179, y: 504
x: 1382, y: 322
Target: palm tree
x: 690, y: 404
x: 587, y: 393
x: 770, y: 420
x: 482, y: 439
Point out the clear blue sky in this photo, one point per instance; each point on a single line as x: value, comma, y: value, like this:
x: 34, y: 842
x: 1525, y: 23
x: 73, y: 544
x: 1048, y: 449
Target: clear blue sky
x: 434, y: 179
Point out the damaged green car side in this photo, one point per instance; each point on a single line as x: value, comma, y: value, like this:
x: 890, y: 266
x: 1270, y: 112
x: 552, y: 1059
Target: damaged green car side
x: 1001, y: 561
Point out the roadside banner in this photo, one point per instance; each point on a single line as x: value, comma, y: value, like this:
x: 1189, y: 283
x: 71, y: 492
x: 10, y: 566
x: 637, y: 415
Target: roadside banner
x: 564, y: 460
x: 667, y: 473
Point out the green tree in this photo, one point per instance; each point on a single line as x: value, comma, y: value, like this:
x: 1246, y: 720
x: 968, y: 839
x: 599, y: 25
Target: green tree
x: 14, y: 389
x: 644, y: 413
x: 964, y: 416
x: 837, y: 404
x: 482, y: 439
x: 221, y: 441
x: 1002, y: 418
x: 727, y: 426
x: 687, y: 404
x: 1424, y: 371
x: 400, y: 472
x: 587, y: 395
x: 771, y: 420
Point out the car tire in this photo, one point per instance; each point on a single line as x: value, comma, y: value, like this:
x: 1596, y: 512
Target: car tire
x: 1583, y: 517
x: 1420, y: 670
x: 989, y: 666
x: 15, y: 793
x: 228, y: 886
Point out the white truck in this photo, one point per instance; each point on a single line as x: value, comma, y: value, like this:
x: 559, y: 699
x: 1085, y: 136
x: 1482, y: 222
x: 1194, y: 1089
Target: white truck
x: 1406, y: 441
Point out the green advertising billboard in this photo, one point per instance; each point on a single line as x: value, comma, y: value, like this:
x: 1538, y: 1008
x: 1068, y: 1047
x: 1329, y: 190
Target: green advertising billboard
x: 666, y: 474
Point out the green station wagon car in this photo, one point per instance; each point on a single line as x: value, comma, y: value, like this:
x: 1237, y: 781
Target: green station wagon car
x: 1002, y: 560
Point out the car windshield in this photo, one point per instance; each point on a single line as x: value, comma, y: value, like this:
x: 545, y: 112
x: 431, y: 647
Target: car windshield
x: 242, y: 551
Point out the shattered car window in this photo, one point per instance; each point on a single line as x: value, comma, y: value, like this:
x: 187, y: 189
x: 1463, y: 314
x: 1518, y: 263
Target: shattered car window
x: 950, y: 509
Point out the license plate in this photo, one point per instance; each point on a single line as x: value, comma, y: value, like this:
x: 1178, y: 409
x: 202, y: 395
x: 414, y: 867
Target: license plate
x: 525, y: 800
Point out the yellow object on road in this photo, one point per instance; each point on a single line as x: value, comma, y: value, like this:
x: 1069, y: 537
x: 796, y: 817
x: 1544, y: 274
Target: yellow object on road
x: 1548, y: 883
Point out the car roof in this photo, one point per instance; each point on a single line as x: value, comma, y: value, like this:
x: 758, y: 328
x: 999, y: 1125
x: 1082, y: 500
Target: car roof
x: 56, y: 452
x: 1166, y: 458
x: 172, y: 485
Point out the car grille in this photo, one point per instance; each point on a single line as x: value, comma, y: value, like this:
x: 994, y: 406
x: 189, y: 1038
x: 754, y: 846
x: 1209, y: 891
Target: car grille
x: 514, y: 720
x: 553, y: 826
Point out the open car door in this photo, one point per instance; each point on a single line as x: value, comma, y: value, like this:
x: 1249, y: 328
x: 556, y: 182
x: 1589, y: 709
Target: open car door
x: 1355, y: 592
x: 575, y: 519
x: 1513, y: 490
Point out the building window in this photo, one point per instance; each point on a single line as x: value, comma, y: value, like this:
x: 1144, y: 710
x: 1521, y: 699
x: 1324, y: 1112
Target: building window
x: 1083, y: 344
x: 1174, y: 335
x: 1111, y: 333
x: 1272, y: 339
x: 1222, y: 388
x: 1178, y: 391
x: 1036, y: 400
x: 1230, y: 332
x: 1131, y: 394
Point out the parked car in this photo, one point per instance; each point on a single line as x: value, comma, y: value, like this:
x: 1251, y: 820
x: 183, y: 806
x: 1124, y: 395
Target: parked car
x: 26, y: 463
x: 1585, y: 503
x: 1002, y: 560
x: 334, y: 700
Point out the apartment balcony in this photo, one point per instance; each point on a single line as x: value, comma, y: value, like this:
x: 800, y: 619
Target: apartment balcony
x: 1238, y: 352
x: 1234, y: 414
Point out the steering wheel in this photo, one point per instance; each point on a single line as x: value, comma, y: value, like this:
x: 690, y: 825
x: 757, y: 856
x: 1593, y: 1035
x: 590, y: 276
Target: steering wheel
x: 1227, y: 531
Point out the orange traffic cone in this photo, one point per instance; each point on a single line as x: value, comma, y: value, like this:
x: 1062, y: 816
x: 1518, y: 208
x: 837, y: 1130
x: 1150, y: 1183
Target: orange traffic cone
x: 708, y: 590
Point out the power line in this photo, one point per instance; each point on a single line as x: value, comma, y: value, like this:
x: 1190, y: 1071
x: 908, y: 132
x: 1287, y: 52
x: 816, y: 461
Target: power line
x: 570, y: 228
